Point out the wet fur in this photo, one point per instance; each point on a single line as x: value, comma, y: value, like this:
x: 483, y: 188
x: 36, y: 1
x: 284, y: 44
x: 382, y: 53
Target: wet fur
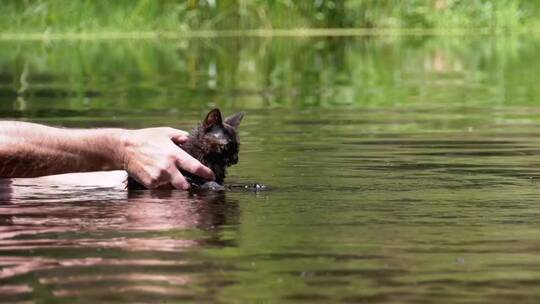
x: 215, y: 143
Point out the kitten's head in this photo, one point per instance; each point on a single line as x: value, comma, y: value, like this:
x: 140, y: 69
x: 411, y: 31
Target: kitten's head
x: 219, y: 137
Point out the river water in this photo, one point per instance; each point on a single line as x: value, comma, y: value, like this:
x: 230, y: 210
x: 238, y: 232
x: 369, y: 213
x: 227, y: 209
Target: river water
x: 399, y: 170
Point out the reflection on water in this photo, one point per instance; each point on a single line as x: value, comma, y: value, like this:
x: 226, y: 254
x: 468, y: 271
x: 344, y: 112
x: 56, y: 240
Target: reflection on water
x: 400, y: 171
x: 132, y: 244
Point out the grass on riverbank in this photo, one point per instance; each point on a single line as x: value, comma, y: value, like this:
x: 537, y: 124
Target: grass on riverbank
x: 140, y: 16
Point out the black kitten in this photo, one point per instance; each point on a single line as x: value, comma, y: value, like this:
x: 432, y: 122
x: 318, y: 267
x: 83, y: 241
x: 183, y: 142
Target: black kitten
x: 215, y: 143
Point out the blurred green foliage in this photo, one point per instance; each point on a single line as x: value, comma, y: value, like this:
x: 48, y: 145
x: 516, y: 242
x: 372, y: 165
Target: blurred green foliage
x: 175, y: 15
x: 246, y: 72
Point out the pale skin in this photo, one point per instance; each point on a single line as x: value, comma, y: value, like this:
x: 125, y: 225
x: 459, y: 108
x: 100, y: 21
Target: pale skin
x: 151, y: 155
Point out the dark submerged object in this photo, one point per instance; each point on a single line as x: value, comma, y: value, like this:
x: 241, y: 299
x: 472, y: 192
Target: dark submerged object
x: 215, y: 143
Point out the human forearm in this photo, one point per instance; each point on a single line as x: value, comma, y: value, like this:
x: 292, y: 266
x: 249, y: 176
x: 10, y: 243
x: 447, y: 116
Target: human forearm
x: 151, y: 156
x: 29, y: 150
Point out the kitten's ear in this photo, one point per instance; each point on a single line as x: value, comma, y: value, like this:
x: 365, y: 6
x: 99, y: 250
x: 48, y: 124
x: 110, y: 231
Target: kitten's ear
x: 212, y: 118
x: 235, y: 119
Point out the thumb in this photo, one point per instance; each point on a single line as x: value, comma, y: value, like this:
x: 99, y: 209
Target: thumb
x: 177, y: 136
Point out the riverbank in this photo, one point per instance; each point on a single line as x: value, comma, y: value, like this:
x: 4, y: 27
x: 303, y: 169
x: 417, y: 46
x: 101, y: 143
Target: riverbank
x: 262, y: 18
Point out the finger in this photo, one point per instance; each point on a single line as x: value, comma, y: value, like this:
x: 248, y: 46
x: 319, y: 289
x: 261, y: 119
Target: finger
x: 180, y: 139
x: 154, y: 183
x: 178, y: 181
x: 190, y: 164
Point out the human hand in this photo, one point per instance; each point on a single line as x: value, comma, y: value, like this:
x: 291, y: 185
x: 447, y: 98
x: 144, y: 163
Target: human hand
x: 152, y: 158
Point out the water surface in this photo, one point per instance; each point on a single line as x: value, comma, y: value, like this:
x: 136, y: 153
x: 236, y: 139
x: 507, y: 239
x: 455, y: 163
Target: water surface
x: 402, y: 170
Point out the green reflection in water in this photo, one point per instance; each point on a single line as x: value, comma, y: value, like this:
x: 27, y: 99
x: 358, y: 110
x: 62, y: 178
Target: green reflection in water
x: 267, y: 73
